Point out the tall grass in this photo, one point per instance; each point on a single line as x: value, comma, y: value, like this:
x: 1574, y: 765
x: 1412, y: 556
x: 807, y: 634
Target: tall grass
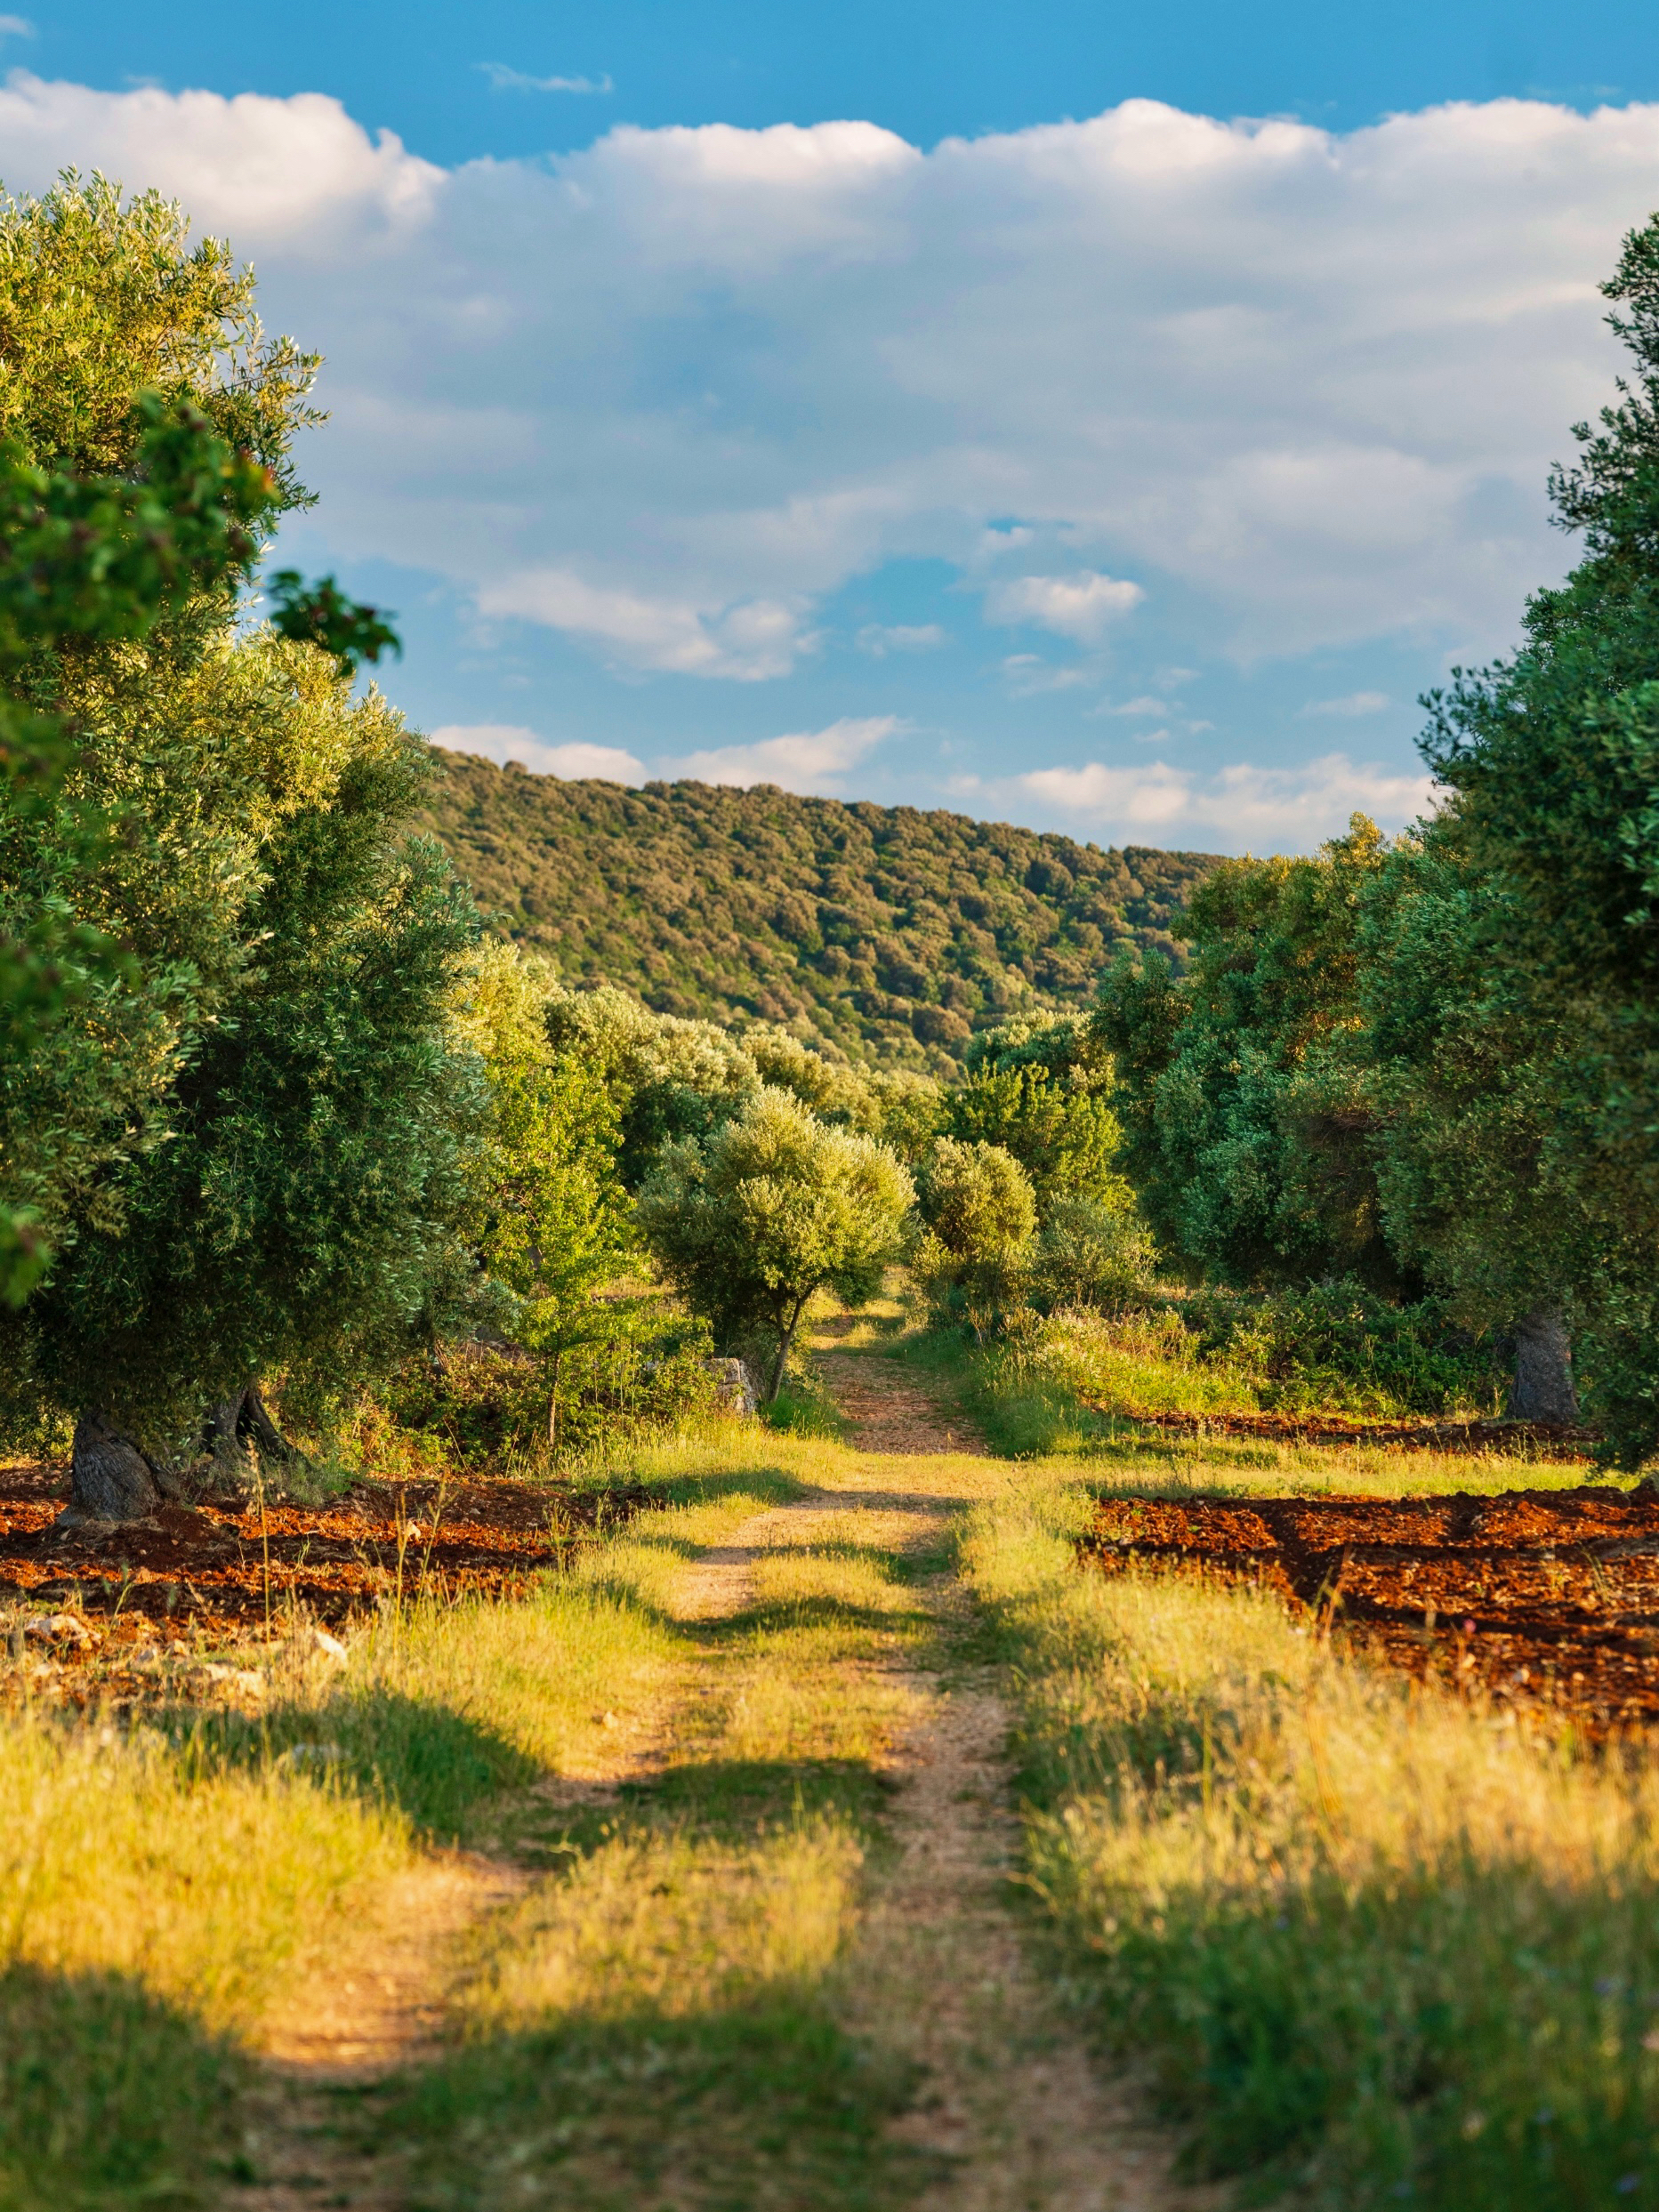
x: 1377, y: 1948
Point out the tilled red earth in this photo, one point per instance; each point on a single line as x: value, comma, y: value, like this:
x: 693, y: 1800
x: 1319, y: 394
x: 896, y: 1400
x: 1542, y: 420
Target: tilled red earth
x: 213, y: 1568
x: 1533, y: 1597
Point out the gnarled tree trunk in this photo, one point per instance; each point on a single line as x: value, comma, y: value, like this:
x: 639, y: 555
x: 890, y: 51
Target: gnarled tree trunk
x: 1542, y: 1389
x: 237, y: 1425
x: 112, y: 1479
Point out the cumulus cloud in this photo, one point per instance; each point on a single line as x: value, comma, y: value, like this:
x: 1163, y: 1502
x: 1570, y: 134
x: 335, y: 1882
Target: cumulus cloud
x: 1353, y: 703
x: 505, y: 741
x: 1242, y: 808
x: 750, y: 642
x: 807, y: 760
x: 1079, y: 606
x: 297, y: 177
x: 669, y: 392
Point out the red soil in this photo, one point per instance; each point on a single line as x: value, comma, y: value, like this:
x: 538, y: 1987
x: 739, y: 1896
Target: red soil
x: 1535, y: 1598
x: 204, y: 1567
x: 1536, y: 1440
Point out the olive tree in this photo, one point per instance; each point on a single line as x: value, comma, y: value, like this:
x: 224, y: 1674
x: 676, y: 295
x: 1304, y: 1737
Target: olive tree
x: 980, y: 1214
x: 275, y: 1180
x: 750, y: 1221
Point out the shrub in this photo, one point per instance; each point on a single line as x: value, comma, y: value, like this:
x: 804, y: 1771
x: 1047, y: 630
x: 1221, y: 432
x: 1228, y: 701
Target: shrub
x: 980, y: 1213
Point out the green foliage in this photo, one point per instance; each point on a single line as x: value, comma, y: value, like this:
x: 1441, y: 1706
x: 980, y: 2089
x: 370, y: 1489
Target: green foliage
x: 981, y: 1215
x: 886, y: 933
x: 101, y: 299
x: 1340, y: 1346
x: 241, y: 1138
x: 1545, y: 866
x: 301, y: 1209
x: 667, y: 1077
x: 748, y: 1223
x: 1074, y: 1380
x: 320, y: 615
x: 84, y: 560
x: 1091, y: 1252
x: 552, y: 1222
x: 1244, y: 1134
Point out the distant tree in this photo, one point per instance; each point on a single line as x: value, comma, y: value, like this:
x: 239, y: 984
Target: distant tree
x: 748, y: 1223
x: 1042, y: 1090
x: 887, y: 933
x: 981, y: 1215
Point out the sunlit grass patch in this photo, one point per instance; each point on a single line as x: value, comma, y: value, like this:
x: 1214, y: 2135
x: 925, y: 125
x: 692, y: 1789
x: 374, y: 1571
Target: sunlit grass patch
x: 1378, y: 1947
x: 767, y: 2104
x: 672, y: 1925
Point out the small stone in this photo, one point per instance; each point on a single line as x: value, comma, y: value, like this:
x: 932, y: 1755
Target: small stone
x: 325, y: 1647
x: 60, y: 1627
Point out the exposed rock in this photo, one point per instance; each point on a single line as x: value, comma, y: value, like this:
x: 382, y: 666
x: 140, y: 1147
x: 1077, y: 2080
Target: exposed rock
x: 733, y: 1386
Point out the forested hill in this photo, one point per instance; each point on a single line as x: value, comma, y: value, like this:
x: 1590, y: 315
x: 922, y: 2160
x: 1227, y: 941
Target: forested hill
x: 894, y: 933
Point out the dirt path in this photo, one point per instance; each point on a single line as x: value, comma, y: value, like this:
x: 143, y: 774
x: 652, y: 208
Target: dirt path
x: 1012, y: 2112
x: 1010, y: 2097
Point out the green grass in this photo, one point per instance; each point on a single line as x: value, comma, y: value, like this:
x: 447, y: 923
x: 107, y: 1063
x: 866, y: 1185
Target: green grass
x: 1375, y: 1948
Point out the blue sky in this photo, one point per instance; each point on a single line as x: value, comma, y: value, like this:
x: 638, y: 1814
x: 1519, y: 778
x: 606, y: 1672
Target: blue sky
x: 1108, y: 418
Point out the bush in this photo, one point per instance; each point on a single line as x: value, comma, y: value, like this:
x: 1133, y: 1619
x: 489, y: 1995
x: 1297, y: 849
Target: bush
x: 1092, y: 1253
x: 1341, y: 1347
x: 980, y: 1213
x: 485, y: 1405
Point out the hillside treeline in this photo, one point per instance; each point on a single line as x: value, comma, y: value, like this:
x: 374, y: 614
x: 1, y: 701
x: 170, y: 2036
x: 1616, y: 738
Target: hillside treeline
x: 885, y: 932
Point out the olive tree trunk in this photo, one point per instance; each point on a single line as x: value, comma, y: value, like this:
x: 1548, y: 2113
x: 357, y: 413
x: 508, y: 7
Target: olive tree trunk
x: 111, y: 1478
x: 238, y: 1425
x: 786, y: 1337
x: 1542, y: 1389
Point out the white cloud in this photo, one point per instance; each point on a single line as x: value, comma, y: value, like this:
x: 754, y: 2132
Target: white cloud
x: 669, y: 392
x: 809, y: 761
x: 750, y: 642
x: 1242, y: 808
x: 294, y: 176
x: 881, y: 639
x: 1354, y: 704
x: 16, y: 27
x: 1081, y: 605
x: 505, y: 741
x: 502, y: 79
x: 1140, y: 706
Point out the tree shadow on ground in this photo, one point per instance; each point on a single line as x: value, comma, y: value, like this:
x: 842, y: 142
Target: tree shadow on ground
x: 432, y: 1762
x: 109, y: 2097
x: 767, y: 2104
